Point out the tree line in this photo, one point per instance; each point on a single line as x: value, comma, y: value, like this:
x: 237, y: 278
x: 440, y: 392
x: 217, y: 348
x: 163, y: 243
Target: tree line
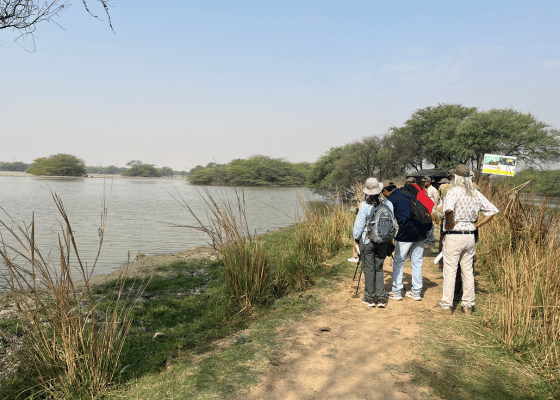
x: 441, y: 137
x: 69, y: 165
x: 255, y: 171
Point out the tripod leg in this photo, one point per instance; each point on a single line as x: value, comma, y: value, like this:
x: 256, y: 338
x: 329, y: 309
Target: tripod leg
x: 359, y: 278
x: 356, y: 271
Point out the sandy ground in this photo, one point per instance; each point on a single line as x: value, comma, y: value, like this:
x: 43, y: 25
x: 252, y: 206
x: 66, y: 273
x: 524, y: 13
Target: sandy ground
x: 346, y: 350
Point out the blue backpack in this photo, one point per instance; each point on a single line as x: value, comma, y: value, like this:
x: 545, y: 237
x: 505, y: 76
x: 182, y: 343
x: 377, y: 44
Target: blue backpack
x: 381, y: 225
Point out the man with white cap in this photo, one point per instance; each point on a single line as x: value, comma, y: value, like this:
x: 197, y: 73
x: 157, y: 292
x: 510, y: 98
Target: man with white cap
x: 461, y: 207
x: 373, y: 254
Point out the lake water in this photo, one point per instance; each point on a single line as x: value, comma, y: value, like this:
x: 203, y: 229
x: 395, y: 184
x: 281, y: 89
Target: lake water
x: 144, y: 215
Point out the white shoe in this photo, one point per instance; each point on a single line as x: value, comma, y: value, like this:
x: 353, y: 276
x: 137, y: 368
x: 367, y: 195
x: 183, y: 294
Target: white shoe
x: 415, y: 297
x: 354, y: 259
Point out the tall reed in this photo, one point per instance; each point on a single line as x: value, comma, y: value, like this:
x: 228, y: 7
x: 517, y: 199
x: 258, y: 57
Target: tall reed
x: 520, y: 251
x: 71, y: 349
x: 253, y: 273
x: 246, y: 261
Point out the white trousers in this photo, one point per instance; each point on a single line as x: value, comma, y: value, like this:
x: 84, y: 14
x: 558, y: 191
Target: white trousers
x: 458, y: 249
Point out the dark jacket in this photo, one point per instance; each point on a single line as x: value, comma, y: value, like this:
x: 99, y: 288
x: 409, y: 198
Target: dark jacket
x: 410, y: 229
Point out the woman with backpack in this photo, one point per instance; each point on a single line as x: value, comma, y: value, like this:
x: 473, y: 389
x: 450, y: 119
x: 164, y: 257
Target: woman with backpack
x: 373, y: 227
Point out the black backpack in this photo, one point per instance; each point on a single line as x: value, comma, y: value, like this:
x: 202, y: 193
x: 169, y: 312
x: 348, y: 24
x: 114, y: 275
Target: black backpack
x: 417, y: 210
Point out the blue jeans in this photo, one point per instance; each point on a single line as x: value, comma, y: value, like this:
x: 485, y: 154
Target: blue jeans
x: 416, y: 258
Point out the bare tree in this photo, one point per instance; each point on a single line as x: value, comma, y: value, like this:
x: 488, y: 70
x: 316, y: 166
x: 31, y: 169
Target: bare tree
x: 23, y: 16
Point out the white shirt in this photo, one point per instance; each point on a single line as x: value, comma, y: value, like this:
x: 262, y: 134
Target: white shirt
x: 432, y: 193
x: 466, y: 208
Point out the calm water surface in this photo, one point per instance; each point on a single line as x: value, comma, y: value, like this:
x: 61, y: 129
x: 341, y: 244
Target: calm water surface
x: 143, y: 214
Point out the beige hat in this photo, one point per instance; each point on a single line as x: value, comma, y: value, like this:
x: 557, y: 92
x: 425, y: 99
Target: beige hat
x: 443, y: 180
x: 411, y: 179
x: 463, y: 170
x: 372, y: 186
x: 426, y: 179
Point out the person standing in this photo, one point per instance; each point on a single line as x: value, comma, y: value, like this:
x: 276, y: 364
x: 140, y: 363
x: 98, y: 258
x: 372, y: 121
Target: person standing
x: 411, y: 237
x: 462, y: 205
x: 373, y: 254
x: 432, y: 194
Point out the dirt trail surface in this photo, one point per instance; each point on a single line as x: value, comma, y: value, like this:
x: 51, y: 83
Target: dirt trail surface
x: 348, y: 350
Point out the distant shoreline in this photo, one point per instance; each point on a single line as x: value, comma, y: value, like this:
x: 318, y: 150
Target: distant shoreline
x: 25, y: 174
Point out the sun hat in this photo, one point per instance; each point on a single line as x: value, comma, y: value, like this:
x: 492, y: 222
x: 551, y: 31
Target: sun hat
x: 426, y: 179
x: 443, y: 180
x: 411, y: 179
x: 463, y: 170
x: 372, y: 186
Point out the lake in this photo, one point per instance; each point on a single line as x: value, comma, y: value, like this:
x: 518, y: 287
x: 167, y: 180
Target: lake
x: 144, y: 215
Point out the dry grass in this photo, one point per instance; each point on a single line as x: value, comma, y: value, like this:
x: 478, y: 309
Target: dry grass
x: 71, y: 349
x: 520, y: 250
x: 255, y: 270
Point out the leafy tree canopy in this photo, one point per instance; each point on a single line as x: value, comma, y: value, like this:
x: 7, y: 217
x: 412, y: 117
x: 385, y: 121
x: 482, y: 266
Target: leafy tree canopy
x: 14, y: 166
x: 138, y: 168
x: 58, y: 165
x: 508, y: 132
x: 255, y: 171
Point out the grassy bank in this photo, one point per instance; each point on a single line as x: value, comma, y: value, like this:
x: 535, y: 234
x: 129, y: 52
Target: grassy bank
x: 183, y: 307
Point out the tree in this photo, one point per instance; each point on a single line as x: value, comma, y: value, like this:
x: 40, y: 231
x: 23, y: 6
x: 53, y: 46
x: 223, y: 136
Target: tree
x: 58, y: 165
x: 23, y: 16
x: 373, y: 156
x: 138, y: 168
x: 431, y: 132
x: 507, y: 132
x: 166, y: 171
x: 14, y: 166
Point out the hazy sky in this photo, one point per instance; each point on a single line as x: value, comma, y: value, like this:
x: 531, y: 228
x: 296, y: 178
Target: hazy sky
x: 182, y: 83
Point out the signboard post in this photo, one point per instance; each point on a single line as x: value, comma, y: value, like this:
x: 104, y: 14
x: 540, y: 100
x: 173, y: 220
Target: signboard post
x: 499, y: 165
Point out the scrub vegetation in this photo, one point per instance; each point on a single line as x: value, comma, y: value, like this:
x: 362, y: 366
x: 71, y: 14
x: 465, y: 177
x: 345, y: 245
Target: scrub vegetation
x: 254, y: 171
x: 58, y: 165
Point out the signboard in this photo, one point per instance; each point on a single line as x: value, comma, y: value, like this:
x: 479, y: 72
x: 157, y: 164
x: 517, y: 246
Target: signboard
x: 499, y: 165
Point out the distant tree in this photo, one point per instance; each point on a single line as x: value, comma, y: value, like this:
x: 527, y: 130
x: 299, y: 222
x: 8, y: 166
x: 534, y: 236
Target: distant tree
x: 166, y: 171
x: 113, y: 170
x: 58, y: 165
x: 14, y: 166
x: 255, y: 171
x: 138, y: 168
x: 23, y: 16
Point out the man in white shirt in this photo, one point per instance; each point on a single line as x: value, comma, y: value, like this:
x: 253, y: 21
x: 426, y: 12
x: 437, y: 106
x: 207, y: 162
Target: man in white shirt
x: 462, y: 204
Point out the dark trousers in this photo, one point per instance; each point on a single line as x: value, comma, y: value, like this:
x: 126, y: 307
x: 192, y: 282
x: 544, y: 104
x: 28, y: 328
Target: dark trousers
x: 373, y: 256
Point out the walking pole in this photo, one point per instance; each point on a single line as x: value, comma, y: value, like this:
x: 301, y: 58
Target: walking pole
x: 359, y: 277
x: 361, y: 270
x: 357, y: 264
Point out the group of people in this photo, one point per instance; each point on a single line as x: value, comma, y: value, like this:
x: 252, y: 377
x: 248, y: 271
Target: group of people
x: 456, y: 208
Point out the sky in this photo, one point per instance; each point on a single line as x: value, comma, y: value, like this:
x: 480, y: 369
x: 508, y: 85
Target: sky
x: 183, y: 83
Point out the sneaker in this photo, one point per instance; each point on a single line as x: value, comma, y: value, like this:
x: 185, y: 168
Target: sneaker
x: 415, y: 297
x: 396, y: 297
x: 369, y: 302
x: 443, y: 311
x: 382, y: 303
x: 467, y: 310
x: 354, y: 259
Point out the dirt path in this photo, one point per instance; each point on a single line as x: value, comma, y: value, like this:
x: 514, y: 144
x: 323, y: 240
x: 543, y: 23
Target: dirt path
x: 346, y: 349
